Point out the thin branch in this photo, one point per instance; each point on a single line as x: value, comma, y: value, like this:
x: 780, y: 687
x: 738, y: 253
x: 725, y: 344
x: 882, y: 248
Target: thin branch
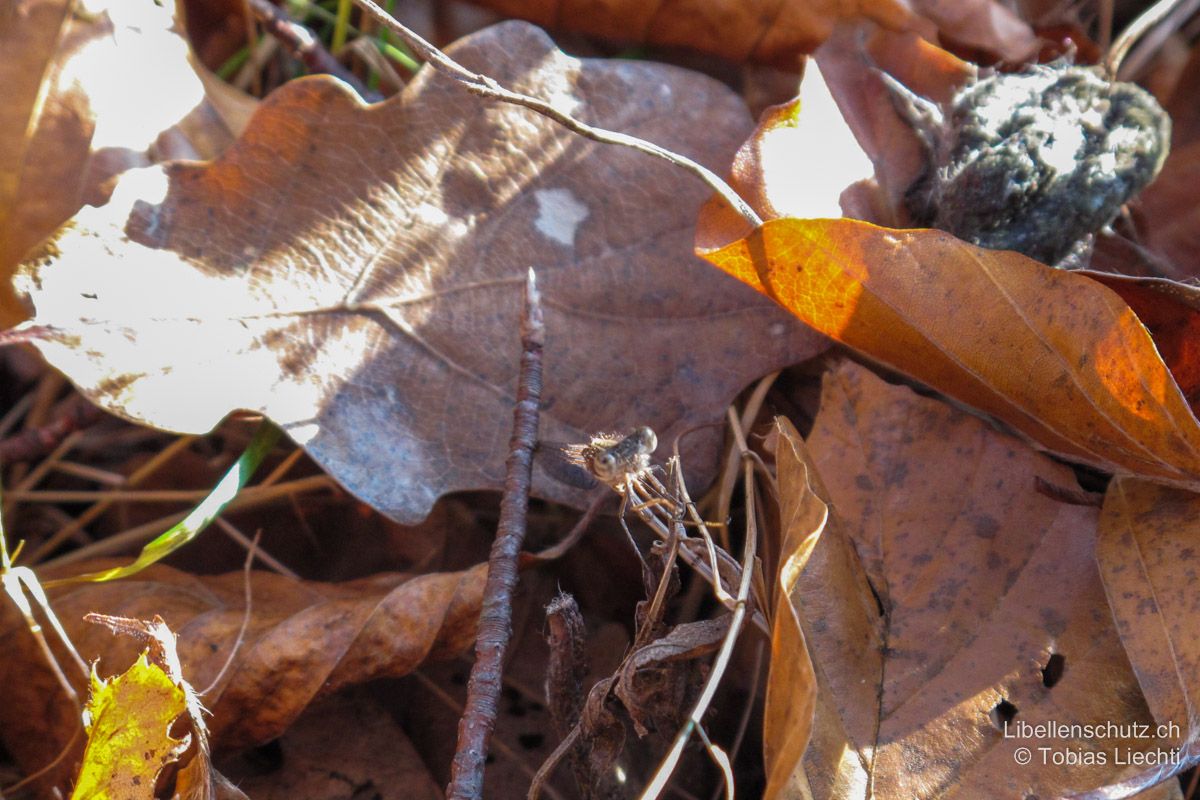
x: 495, y: 614
x: 484, y: 86
x: 76, y: 414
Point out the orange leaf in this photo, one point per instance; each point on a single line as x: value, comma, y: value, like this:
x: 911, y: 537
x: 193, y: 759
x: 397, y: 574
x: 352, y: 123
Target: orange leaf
x: 764, y: 31
x: 1171, y: 312
x: 1054, y: 354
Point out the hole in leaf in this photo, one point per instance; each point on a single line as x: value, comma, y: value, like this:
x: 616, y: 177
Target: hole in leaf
x: 1002, y: 714
x: 1053, y: 671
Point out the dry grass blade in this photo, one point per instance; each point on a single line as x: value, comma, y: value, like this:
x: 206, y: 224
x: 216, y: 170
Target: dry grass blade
x: 659, y: 782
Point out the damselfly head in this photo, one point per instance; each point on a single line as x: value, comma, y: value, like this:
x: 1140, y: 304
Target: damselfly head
x: 613, y: 458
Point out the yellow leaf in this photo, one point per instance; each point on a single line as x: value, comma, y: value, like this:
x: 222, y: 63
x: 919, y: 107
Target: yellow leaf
x: 129, y: 742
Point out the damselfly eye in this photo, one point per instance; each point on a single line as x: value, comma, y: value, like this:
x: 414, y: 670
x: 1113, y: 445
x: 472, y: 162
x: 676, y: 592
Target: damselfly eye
x: 605, y: 466
x: 647, y: 441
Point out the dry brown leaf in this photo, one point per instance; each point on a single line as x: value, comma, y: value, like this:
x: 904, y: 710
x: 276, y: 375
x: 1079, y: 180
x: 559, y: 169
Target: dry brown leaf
x: 342, y: 746
x: 985, y: 24
x: 852, y: 61
x: 354, y: 272
x: 81, y: 105
x: 1172, y: 213
x: 305, y: 640
x: 654, y: 681
x: 765, y: 31
x: 1148, y: 559
x: 1054, y: 354
x: 993, y: 607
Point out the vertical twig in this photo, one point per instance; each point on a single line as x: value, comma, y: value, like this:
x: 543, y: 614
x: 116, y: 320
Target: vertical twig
x: 495, y: 614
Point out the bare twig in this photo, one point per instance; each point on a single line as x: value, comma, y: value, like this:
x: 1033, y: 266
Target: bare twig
x: 439, y: 694
x: 495, y: 614
x: 32, y: 443
x: 484, y: 86
x: 306, y: 47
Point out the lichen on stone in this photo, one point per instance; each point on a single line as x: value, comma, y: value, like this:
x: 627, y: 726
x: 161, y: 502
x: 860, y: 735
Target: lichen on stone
x: 1040, y: 160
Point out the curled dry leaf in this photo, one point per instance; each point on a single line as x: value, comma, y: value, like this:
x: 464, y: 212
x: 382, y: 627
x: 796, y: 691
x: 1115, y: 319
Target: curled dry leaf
x: 655, y: 682
x: 792, y: 683
x: 839, y: 148
x: 793, y: 164
x: 355, y: 272
x: 1055, y: 355
x: 81, y: 106
x: 852, y: 62
x: 764, y: 31
x: 992, y: 609
x: 305, y: 640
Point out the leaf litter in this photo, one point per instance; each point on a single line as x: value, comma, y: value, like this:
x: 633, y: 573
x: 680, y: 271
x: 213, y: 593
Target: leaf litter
x: 981, y: 580
x: 892, y: 583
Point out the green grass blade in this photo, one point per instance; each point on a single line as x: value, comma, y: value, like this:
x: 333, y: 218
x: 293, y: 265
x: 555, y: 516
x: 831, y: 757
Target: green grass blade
x: 201, y: 516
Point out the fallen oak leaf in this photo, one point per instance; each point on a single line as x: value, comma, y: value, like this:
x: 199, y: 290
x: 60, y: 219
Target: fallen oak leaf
x: 1055, y: 355
x: 375, y: 320
x: 64, y: 130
